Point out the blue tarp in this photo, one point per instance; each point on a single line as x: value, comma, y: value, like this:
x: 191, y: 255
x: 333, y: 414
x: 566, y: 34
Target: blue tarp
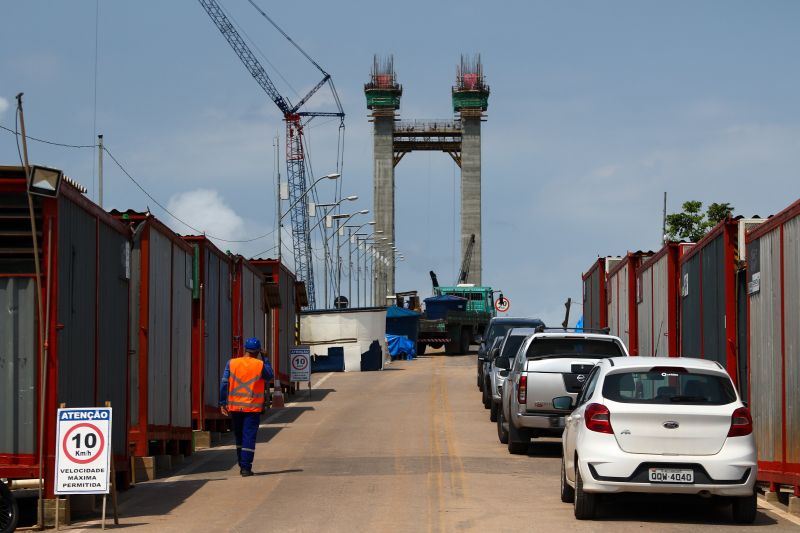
x: 400, y: 321
x: 401, y: 347
x: 438, y: 306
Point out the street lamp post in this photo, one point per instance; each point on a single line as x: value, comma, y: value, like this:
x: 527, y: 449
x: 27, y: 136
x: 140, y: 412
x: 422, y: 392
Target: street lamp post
x: 339, y: 228
x: 325, y: 239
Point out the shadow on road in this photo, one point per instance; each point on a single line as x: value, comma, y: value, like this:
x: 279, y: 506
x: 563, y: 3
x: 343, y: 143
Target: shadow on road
x: 673, y: 508
x: 316, y: 395
x: 544, y: 449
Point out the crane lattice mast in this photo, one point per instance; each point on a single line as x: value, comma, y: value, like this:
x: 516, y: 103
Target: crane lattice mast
x: 295, y: 155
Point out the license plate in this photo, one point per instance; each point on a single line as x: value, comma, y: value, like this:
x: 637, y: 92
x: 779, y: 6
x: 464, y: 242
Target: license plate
x: 671, y: 475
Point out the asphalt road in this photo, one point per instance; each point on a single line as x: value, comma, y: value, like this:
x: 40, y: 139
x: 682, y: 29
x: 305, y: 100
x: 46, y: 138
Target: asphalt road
x: 407, y: 449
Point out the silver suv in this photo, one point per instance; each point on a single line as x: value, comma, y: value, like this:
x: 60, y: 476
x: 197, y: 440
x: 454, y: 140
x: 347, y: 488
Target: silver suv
x: 550, y: 363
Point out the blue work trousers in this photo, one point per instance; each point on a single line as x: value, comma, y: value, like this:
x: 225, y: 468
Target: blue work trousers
x: 245, y: 429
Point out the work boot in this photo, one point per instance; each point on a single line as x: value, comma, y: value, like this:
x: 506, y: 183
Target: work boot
x: 245, y: 472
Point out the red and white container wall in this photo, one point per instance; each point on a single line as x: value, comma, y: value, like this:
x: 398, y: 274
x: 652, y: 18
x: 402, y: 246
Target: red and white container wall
x: 161, y: 338
x: 595, y: 308
x: 212, y: 322
x: 284, y: 313
x: 249, y: 313
x: 85, y: 277
x: 621, y: 296
x: 773, y: 296
x: 657, y: 298
x: 711, y: 277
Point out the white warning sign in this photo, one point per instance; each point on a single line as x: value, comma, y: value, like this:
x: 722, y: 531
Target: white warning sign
x: 83, y: 450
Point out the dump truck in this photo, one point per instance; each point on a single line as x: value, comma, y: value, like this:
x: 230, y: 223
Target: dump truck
x: 455, y: 317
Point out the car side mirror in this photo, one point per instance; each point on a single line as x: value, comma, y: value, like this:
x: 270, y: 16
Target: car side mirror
x: 503, y: 363
x: 563, y: 403
x: 479, y: 339
x: 495, y: 353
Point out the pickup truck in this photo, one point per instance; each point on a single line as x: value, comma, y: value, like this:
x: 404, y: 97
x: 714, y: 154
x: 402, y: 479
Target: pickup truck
x: 549, y: 364
x: 498, y: 327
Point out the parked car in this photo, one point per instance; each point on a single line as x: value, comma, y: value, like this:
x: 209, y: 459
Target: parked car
x: 498, y: 327
x: 508, y: 348
x: 547, y: 365
x: 658, y: 425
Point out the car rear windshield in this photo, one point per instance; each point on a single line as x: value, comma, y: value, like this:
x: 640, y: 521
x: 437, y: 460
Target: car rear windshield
x: 499, y: 329
x: 668, y: 386
x: 548, y: 348
x: 511, y: 347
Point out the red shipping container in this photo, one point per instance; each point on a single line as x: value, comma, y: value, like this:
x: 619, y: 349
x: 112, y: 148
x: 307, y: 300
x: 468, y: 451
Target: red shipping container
x: 212, y: 322
x: 161, y: 338
x: 621, y: 295
x: 84, y: 262
x: 249, y: 310
x: 595, y: 308
x: 773, y: 303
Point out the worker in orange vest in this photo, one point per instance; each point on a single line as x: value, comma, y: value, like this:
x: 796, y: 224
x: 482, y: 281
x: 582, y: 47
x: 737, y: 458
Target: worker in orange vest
x: 242, y: 395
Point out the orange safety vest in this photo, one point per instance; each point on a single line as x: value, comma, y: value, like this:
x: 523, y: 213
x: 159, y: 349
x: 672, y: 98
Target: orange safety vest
x: 246, y: 386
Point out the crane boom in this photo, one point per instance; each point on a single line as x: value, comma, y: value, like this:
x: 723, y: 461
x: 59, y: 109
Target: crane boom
x: 295, y: 154
x: 464, y: 273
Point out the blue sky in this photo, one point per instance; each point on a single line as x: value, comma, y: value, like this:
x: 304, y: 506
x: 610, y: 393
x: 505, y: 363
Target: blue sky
x: 596, y: 110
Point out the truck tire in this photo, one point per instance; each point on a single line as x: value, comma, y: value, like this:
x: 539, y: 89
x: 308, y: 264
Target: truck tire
x: 518, y: 440
x: 451, y: 348
x: 585, y: 502
x: 421, y: 348
x: 502, y: 434
x: 9, y: 513
x: 493, y: 411
x: 466, y: 341
x: 486, y: 395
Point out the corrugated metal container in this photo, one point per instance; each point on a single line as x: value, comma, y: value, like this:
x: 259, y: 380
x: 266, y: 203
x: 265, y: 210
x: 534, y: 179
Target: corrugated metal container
x: 621, y: 292
x: 211, y: 326
x: 657, y: 297
x: 710, y: 272
x: 249, y: 316
x: 595, y: 310
x: 284, y: 313
x: 84, y: 253
x: 161, y: 338
x: 773, y: 287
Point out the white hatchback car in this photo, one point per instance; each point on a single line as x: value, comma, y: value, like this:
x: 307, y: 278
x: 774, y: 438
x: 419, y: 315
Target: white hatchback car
x: 658, y: 425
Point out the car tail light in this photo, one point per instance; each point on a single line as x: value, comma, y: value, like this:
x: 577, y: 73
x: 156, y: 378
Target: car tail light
x: 522, y: 390
x: 741, y: 423
x: 598, y: 418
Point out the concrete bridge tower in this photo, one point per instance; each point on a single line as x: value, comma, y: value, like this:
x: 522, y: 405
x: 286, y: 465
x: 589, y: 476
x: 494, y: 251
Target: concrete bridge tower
x: 460, y: 138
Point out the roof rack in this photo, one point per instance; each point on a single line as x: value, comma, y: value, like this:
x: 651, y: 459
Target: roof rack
x: 604, y: 331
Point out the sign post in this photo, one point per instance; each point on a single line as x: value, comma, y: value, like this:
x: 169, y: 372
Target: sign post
x: 83, y: 452
x: 300, y: 365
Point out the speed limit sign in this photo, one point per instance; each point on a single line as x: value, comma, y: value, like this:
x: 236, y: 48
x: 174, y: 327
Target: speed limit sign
x: 83, y: 450
x: 502, y: 304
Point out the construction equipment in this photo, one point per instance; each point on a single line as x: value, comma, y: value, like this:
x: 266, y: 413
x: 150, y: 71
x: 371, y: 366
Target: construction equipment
x: 464, y: 273
x: 455, y: 323
x: 295, y: 147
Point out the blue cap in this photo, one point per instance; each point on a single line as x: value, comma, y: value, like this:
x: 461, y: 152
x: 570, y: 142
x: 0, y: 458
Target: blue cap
x: 252, y: 345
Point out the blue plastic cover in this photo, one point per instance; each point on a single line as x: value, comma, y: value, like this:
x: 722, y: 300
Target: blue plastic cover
x: 438, y: 306
x: 401, y: 346
x: 400, y: 312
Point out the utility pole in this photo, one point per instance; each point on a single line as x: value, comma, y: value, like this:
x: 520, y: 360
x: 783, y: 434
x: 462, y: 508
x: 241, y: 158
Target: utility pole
x: 350, y: 267
x: 100, y: 170
x: 276, y: 144
x: 664, y: 221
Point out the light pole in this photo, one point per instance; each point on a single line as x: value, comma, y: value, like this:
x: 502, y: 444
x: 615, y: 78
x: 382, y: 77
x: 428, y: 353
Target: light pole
x: 350, y: 238
x: 332, y: 206
x: 339, y: 228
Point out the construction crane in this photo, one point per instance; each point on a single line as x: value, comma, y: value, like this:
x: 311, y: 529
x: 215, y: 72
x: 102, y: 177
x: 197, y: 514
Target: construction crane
x: 464, y: 273
x: 295, y: 120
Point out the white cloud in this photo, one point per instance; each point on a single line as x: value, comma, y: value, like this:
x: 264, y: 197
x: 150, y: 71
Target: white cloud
x: 206, y: 210
x: 3, y: 105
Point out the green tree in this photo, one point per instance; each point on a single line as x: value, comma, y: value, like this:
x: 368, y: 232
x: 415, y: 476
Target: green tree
x: 692, y: 223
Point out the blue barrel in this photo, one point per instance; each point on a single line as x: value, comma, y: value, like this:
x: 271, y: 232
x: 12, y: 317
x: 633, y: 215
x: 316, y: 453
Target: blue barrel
x: 438, y: 306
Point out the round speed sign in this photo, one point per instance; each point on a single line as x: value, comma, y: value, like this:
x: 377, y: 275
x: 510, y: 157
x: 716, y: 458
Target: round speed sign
x: 83, y: 443
x: 502, y: 304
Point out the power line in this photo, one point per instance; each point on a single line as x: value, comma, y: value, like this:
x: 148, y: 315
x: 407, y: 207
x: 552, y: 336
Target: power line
x: 130, y: 177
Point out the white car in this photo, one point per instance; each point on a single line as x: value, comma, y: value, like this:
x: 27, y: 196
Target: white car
x: 658, y: 425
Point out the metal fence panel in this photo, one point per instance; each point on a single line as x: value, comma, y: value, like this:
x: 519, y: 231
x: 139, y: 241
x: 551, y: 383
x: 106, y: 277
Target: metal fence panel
x: 77, y: 298
x: 158, y: 332
x: 211, y: 317
x: 765, y: 354
x: 791, y: 329
x: 112, y: 333
x: 135, y: 308
x: 181, y: 347
x: 690, y: 307
x: 618, y: 310
x: 713, y: 306
x: 18, y: 363
x: 661, y: 326
x: 225, y: 316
